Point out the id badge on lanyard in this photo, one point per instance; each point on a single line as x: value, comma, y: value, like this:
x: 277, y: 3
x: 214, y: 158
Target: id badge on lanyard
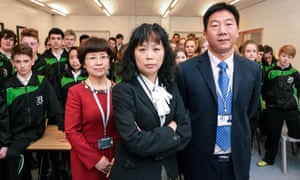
x: 224, y: 120
x: 106, y: 141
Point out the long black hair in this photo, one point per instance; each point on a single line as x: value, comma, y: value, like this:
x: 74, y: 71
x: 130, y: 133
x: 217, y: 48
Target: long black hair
x: 145, y: 33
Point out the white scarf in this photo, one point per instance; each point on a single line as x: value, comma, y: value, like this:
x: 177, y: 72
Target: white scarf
x: 159, y: 96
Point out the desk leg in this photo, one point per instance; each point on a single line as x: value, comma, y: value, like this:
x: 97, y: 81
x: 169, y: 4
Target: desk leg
x: 41, y: 167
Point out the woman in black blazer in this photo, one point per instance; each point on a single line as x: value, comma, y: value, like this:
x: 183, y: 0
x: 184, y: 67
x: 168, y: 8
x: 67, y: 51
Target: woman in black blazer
x: 151, y: 119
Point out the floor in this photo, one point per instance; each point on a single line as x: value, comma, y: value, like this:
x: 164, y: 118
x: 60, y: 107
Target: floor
x: 273, y: 172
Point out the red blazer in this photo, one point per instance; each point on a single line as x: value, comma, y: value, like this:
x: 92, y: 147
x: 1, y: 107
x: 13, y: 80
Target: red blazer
x: 83, y: 127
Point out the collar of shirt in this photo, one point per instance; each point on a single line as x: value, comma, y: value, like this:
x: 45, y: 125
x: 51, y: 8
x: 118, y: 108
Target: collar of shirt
x: 23, y: 80
x: 149, y: 83
x: 158, y: 95
x: 76, y: 74
x: 58, y: 55
x: 214, y: 61
x: 283, y: 67
x: 5, y: 53
x: 119, y: 46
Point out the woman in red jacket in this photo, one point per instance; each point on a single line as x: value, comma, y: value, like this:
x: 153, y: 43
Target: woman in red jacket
x: 89, y: 122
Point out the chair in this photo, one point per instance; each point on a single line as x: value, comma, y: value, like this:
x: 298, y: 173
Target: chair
x: 284, y: 140
x: 258, y: 140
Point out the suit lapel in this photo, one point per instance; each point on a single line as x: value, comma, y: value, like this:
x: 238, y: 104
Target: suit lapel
x: 148, y: 103
x: 237, y: 75
x: 204, y: 67
x: 142, y: 95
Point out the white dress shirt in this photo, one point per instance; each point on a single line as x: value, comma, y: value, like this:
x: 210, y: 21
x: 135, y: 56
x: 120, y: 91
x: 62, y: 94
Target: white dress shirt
x: 214, y: 61
x: 23, y: 80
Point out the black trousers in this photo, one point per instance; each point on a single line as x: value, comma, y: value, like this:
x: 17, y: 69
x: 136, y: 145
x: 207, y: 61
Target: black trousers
x: 9, y: 165
x: 222, y: 170
x: 263, y: 123
x: 275, y: 122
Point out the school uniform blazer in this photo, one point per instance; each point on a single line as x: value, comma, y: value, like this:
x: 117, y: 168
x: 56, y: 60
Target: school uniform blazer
x: 197, y: 87
x: 140, y: 154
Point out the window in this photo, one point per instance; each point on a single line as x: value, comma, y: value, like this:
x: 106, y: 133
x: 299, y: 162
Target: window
x: 253, y: 34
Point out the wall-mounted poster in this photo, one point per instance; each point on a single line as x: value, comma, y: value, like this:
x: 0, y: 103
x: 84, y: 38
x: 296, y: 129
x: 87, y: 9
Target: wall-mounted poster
x: 18, y: 31
x: 1, y: 26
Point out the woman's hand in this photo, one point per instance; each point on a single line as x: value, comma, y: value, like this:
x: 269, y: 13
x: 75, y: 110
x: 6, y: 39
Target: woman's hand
x: 104, y: 165
x: 173, y: 125
x: 108, y: 174
x: 3, y: 152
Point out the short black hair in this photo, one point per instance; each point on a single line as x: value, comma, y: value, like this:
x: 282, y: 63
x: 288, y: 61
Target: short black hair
x: 145, y: 33
x: 7, y: 33
x: 94, y: 44
x: 260, y: 47
x: 56, y: 31
x: 112, y: 38
x: 176, y: 34
x: 119, y: 36
x: 268, y: 49
x: 83, y: 36
x: 46, y: 41
x: 220, y: 7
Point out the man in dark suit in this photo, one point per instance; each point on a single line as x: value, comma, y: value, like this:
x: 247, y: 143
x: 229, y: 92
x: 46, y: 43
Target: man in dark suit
x: 210, y: 109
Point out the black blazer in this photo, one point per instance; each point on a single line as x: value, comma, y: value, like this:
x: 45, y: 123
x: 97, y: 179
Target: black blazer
x: 141, y: 154
x: 197, y: 87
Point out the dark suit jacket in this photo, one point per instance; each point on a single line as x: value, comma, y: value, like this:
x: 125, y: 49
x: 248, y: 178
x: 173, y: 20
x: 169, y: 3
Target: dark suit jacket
x: 197, y: 87
x: 141, y: 154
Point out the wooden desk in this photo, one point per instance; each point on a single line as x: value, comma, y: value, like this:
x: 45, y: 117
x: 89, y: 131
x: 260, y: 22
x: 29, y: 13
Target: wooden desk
x: 51, y: 140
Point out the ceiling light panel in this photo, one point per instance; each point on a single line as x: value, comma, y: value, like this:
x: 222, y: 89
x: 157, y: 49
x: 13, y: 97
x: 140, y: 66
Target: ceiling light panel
x: 38, y: 3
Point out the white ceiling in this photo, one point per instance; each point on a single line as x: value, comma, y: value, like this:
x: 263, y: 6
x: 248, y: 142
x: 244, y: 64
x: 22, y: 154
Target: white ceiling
x: 184, y: 8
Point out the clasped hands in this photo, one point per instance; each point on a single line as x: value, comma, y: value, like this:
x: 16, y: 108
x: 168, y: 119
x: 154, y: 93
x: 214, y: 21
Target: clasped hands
x: 104, y: 165
x: 172, y: 125
x: 3, y: 152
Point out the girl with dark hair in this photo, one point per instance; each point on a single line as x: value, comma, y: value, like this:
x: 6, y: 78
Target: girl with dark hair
x: 75, y: 74
x: 149, y: 113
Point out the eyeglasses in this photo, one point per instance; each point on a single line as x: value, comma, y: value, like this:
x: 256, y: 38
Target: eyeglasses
x: 94, y: 58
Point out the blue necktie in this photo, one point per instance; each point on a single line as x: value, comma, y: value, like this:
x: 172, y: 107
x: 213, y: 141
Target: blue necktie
x: 224, y: 107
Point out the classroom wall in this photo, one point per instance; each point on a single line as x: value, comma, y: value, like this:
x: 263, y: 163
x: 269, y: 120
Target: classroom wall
x: 14, y: 13
x: 113, y: 24
x: 186, y: 24
x: 126, y: 24
x: 26, y: 16
x: 278, y: 18
x: 280, y: 21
